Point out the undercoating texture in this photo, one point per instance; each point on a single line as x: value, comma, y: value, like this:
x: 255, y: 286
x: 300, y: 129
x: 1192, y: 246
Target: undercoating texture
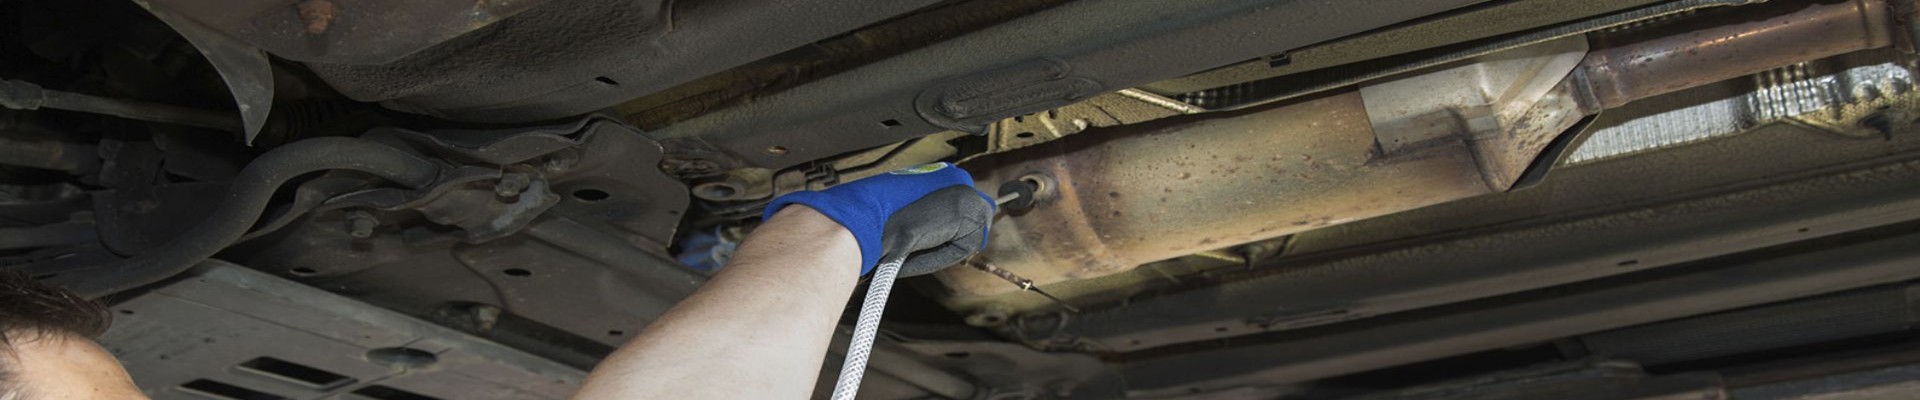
x: 570, y: 58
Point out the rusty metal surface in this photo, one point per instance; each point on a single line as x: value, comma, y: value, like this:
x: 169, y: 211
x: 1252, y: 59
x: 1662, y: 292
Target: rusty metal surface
x: 1509, y: 105
x: 1842, y: 95
x: 1175, y: 187
x: 1656, y: 209
x: 1639, y: 54
x: 1180, y: 186
x: 1286, y: 87
x: 1646, y: 62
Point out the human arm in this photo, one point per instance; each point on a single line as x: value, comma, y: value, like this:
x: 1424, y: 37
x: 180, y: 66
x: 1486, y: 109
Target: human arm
x: 758, y: 330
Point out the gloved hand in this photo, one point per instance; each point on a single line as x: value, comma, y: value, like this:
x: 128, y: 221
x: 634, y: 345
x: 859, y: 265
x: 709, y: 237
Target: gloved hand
x: 931, y: 212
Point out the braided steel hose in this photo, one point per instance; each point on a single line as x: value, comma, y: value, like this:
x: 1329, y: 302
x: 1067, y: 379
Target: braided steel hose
x: 861, y: 346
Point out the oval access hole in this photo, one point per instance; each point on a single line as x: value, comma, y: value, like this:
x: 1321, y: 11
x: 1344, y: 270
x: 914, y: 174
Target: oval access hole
x: 401, y: 357
x: 207, y: 388
x: 294, y: 372
x: 383, y: 392
x: 590, y: 195
x: 517, y: 272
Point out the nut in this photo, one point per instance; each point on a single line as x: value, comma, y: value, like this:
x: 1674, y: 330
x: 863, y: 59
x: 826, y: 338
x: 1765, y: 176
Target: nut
x: 317, y: 14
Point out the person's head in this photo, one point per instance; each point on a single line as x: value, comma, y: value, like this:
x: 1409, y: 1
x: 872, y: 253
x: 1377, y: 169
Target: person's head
x: 47, y: 349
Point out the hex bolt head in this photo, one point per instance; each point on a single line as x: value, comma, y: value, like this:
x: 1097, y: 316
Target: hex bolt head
x: 511, y: 184
x: 360, y: 224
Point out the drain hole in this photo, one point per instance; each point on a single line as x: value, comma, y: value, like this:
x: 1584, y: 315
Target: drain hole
x: 292, y: 372
x: 219, y: 390
x: 591, y: 195
x: 381, y: 392
x: 401, y: 357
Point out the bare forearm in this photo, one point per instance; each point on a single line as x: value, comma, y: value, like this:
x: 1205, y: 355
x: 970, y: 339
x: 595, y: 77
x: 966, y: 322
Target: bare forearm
x: 759, y: 329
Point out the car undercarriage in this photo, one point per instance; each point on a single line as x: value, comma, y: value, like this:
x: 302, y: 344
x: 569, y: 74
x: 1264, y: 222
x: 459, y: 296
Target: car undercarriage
x: 1293, y: 199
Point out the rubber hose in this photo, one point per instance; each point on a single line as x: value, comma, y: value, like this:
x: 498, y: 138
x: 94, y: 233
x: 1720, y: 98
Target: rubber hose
x: 243, y: 203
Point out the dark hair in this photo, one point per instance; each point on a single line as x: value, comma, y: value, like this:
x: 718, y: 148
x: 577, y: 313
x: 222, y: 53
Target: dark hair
x: 31, y: 310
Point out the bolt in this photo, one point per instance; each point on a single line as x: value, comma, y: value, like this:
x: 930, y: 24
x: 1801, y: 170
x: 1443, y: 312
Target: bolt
x: 1017, y: 195
x: 485, y: 316
x: 317, y: 14
x: 360, y: 224
x: 511, y: 184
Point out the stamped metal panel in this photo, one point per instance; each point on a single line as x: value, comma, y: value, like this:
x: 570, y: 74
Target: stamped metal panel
x: 219, y: 321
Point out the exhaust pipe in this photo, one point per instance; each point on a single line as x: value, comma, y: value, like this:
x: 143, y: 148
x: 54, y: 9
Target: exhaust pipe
x: 1135, y: 194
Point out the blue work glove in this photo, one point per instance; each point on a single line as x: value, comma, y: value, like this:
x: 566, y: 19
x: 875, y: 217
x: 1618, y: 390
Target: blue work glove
x: 931, y: 212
